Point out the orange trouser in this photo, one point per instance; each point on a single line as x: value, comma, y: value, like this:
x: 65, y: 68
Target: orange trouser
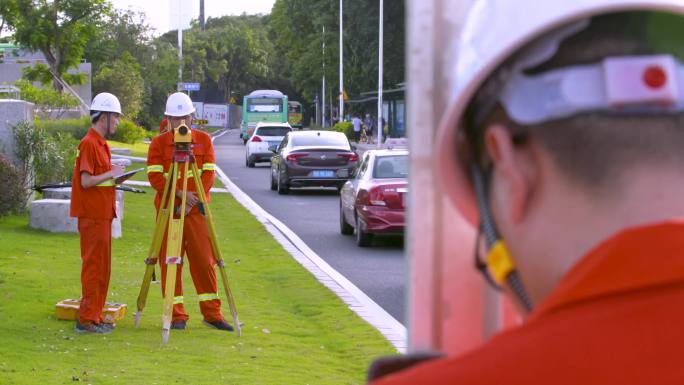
x: 96, y: 266
x: 196, y: 245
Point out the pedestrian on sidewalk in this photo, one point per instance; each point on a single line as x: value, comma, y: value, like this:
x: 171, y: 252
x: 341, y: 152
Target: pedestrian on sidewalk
x: 356, y: 122
x: 563, y: 146
x: 196, y: 243
x: 368, y: 125
x: 93, y: 202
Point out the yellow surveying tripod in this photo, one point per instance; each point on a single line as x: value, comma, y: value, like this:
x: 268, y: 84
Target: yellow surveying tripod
x: 182, y: 157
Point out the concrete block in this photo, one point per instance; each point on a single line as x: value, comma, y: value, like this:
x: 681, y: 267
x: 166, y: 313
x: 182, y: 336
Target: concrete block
x: 12, y: 112
x: 57, y: 193
x: 53, y: 215
x: 65, y: 193
x: 122, y: 161
x: 123, y: 151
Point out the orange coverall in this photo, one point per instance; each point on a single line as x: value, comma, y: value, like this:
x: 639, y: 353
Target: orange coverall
x: 95, y: 207
x: 195, y: 244
x: 615, y: 318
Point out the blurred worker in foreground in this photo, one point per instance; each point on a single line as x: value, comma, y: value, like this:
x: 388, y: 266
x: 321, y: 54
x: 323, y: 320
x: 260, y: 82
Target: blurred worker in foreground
x: 93, y: 202
x: 196, y: 244
x: 564, y: 146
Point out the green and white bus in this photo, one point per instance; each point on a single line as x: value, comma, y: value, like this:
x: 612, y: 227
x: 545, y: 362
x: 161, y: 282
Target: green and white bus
x: 262, y: 106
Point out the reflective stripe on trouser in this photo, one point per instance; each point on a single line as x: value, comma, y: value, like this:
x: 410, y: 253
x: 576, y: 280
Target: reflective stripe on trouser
x: 96, y: 264
x: 201, y: 260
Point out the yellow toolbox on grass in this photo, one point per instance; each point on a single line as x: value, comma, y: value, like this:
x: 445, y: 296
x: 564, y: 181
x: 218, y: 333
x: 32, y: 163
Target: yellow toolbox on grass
x: 68, y: 310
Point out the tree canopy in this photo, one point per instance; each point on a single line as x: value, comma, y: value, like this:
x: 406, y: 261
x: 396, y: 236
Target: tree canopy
x: 232, y: 56
x: 58, y: 29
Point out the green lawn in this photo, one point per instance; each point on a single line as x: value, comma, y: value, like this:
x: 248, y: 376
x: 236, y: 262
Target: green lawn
x: 295, y: 332
x: 137, y: 149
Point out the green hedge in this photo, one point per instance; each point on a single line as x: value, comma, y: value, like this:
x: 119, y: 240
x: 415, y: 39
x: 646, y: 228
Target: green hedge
x: 345, y: 127
x: 126, y: 131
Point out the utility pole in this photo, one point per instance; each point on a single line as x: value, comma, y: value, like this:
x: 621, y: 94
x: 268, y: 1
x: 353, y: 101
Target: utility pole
x: 323, y: 86
x: 380, y: 55
x: 201, y: 15
x: 340, y: 114
x: 180, y: 41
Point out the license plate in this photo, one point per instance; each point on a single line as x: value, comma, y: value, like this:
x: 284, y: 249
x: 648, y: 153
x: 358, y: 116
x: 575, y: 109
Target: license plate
x: 272, y: 147
x: 323, y: 173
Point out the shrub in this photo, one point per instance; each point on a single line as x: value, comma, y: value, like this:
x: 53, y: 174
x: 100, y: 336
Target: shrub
x: 345, y: 127
x: 129, y: 132
x: 46, y: 158
x: 14, y: 195
x: 76, y: 127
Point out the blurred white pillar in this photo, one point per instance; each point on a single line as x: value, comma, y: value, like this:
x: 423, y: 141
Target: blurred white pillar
x: 447, y: 298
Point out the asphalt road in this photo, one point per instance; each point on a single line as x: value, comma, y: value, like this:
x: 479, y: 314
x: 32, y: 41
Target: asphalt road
x: 313, y: 214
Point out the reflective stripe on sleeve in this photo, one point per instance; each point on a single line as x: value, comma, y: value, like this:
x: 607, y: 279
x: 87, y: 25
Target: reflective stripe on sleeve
x: 209, y: 166
x: 208, y: 297
x: 155, y: 168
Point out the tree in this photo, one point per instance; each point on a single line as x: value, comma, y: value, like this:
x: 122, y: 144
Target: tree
x: 58, y: 29
x: 296, y: 30
x: 122, y: 78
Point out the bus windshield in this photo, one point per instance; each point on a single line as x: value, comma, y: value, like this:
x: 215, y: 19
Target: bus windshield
x: 294, y: 108
x: 264, y: 105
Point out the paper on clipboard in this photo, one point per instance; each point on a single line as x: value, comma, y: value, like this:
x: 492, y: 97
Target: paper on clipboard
x: 125, y: 176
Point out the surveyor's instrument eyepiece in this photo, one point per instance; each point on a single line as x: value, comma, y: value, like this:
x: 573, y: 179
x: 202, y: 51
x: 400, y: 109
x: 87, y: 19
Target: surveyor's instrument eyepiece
x: 182, y: 133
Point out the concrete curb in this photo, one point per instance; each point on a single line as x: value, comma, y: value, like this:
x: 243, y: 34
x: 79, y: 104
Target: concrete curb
x: 357, y: 300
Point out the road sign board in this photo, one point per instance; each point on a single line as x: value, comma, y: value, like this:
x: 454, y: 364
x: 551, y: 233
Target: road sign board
x: 188, y: 86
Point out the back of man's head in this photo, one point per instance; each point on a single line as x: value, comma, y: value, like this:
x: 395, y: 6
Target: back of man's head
x: 596, y: 149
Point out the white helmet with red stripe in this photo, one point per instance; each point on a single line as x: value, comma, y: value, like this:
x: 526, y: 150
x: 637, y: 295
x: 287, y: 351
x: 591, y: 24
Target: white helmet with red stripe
x: 530, y: 32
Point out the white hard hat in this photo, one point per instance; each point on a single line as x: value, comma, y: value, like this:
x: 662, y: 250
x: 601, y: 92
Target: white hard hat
x: 179, y: 104
x: 105, y: 102
x: 494, y: 31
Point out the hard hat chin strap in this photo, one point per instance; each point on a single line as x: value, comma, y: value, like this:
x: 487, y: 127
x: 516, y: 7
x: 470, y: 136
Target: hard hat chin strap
x: 499, y: 268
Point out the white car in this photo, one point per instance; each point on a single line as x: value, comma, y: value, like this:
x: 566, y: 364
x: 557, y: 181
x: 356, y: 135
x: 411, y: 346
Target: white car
x: 264, y: 141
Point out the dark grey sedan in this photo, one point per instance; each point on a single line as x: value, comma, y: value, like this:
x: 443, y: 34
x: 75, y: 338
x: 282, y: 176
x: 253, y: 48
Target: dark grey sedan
x: 312, y: 158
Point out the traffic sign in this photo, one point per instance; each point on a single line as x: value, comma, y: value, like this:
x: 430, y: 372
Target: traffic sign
x: 188, y: 86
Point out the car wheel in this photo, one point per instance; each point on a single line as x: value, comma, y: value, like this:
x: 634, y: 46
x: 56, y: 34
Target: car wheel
x: 274, y: 186
x: 363, y: 239
x: 345, y: 228
x: 250, y: 162
x: 283, y: 188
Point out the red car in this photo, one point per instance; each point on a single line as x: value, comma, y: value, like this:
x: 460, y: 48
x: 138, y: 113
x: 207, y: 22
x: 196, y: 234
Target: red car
x: 373, y: 202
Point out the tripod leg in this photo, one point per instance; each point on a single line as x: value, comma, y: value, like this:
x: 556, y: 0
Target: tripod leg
x: 173, y: 251
x: 206, y: 212
x: 153, y: 252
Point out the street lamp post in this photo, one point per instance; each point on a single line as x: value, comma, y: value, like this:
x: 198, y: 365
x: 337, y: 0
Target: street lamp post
x: 323, y: 87
x: 341, y: 109
x: 380, y: 44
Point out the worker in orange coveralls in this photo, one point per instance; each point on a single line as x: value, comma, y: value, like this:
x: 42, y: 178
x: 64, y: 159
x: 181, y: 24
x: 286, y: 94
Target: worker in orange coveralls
x: 196, y: 244
x: 163, y: 125
x: 93, y: 202
x: 563, y: 145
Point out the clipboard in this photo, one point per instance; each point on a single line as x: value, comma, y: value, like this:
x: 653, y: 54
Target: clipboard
x: 125, y: 176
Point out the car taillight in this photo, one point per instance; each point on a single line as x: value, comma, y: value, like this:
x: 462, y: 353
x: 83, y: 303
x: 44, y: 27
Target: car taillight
x: 256, y: 139
x: 350, y: 156
x: 295, y: 156
x: 376, y: 196
x: 387, y: 195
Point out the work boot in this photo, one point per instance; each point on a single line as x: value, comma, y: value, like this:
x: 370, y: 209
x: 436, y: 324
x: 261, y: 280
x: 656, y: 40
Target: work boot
x: 179, y: 324
x: 91, y: 328
x: 111, y: 327
x: 220, y: 325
